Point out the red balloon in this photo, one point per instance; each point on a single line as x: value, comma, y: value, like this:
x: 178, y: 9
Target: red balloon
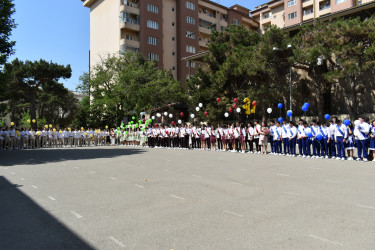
x: 182, y: 114
x: 235, y: 100
x: 156, y: 125
x: 144, y: 120
x: 173, y: 123
x: 234, y: 106
x: 206, y: 113
x: 230, y: 110
x: 254, y: 103
x: 218, y: 99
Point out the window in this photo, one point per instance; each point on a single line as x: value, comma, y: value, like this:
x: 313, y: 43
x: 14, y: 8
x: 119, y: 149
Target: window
x: 308, y: 11
x: 190, y: 20
x: 173, y: 68
x: 190, y: 49
x: 152, y: 40
x: 190, y: 6
x: 324, y: 5
x: 126, y: 17
x: 172, y: 38
x: 124, y: 48
x: 340, y: 1
x: 172, y: 9
x: 292, y: 15
x: 292, y: 2
x: 172, y: 24
x: 236, y: 22
x: 266, y: 15
x: 190, y: 34
x: 190, y: 64
x: 152, y: 8
x: 129, y: 37
x: 153, y: 56
x: 173, y: 53
x: 152, y: 25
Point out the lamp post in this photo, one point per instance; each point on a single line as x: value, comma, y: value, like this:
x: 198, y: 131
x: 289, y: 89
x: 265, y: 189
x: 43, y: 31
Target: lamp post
x: 290, y: 74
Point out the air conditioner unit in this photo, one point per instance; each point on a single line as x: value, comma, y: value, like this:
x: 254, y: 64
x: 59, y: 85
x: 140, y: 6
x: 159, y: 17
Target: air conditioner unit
x: 205, y: 10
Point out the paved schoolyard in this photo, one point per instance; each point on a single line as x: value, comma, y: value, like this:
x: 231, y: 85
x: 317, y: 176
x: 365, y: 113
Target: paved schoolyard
x: 139, y: 198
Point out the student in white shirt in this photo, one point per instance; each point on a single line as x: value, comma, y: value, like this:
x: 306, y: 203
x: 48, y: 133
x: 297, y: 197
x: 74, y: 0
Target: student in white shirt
x: 250, y: 137
x: 292, y: 133
x: 340, y: 137
x: 362, y: 138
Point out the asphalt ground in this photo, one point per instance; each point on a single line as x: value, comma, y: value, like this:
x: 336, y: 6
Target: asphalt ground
x: 140, y: 198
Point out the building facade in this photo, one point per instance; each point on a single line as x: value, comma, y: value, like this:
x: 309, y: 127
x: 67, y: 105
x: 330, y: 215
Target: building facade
x: 289, y: 13
x: 162, y: 30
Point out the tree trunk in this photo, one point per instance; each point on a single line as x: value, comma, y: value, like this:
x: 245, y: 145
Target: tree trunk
x: 33, y: 113
x: 320, y: 104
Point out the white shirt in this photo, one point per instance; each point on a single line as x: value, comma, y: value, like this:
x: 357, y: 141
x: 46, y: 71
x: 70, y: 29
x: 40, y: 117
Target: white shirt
x: 343, y: 129
x: 257, y: 130
x: 277, y: 133
x: 250, y: 132
x: 284, y: 131
x: 363, y: 131
x: 292, y: 132
x: 332, y: 129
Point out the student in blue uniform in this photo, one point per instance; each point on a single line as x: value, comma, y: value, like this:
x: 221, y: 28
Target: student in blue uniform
x: 315, y: 130
x: 340, y: 138
x: 292, y: 132
x: 372, y: 139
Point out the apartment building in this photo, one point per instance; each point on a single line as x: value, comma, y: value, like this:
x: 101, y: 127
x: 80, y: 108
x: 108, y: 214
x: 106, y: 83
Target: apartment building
x: 288, y: 13
x: 162, y: 30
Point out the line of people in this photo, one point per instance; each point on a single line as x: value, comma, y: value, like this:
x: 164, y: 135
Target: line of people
x: 334, y: 140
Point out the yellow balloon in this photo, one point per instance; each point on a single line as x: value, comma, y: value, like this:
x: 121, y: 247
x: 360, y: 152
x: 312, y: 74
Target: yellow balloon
x: 82, y: 128
x: 85, y: 133
x: 12, y: 123
x: 46, y: 126
x: 69, y: 129
x: 60, y: 131
x: 28, y: 121
x: 34, y: 121
x: 38, y: 133
x: 54, y: 130
x: 106, y: 127
x: 50, y: 125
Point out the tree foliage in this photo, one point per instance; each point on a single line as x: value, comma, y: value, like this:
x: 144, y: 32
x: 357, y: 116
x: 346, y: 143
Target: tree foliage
x: 126, y: 85
x: 7, y: 24
x: 33, y: 87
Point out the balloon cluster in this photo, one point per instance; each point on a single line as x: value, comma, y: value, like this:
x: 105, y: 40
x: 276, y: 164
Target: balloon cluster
x: 305, y: 106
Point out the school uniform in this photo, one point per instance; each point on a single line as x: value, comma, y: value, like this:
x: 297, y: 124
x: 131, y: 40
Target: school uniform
x: 315, y: 130
x: 362, y: 139
x: 306, y: 142
x: 277, y: 137
x: 299, y: 140
x: 219, y: 135
x: 250, y: 135
x: 332, y: 142
x: 285, y: 138
x: 207, y: 138
x: 292, y: 133
x: 349, y: 143
x: 372, y: 139
x: 257, y: 130
x: 198, y: 137
x: 272, y: 132
x: 340, y: 135
x: 325, y: 132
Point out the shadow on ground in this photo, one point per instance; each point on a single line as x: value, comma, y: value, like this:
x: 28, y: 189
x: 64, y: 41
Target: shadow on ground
x: 42, y: 156
x: 25, y: 225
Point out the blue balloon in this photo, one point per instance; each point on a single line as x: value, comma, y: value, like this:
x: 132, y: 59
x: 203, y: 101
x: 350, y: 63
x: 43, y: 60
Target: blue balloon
x: 306, y: 104
x: 309, y: 135
x: 319, y: 137
x: 280, y: 119
x: 327, y: 116
x: 289, y: 113
x: 304, y: 108
x: 346, y: 122
x: 280, y: 105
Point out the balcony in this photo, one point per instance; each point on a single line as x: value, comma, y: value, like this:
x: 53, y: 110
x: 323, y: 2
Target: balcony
x: 207, y: 17
x: 129, y: 9
x: 203, y: 43
x: 129, y: 43
x: 308, y: 16
x: 307, y: 3
x: 205, y: 30
x: 129, y: 26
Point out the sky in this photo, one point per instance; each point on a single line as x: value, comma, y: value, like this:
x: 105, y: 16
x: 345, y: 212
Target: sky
x: 59, y: 31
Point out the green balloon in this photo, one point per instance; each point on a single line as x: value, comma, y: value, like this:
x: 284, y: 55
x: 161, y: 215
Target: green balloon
x: 133, y: 118
x: 143, y: 129
x: 150, y: 120
x: 126, y: 132
x: 118, y: 128
x: 140, y: 121
x: 122, y: 124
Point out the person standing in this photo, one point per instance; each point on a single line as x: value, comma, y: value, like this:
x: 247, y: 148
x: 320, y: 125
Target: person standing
x: 299, y: 138
x: 315, y: 130
x: 372, y: 139
x: 332, y: 128
x: 349, y: 144
x: 363, y: 130
x: 272, y: 131
x: 284, y: 135
x: 292, y: 133
x: 250, y: 138
x: 277, y: 138
x: 257, y: 131
x: 340, y: 138
x: 325, y: 131
x: 263, y: 138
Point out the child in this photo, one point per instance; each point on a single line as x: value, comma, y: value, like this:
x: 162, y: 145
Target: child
x: 372, y: 140
x: 349, y: 143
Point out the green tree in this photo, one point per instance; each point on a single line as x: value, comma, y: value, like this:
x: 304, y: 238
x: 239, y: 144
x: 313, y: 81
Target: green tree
x: 126, y: 85
x: 7, y: 24
x: 28, y: 81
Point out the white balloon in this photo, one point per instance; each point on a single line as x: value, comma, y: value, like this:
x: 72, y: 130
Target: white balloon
x: 357, y: 123
x: 226, y: 114
x: 269, y: 110
x: 200, y: 105
x: 165, y: 113
x: 179, y: 121
x: 238, y: 110
x: 192, y: 116
x: 158, y: 114
x: 153, y: 117
x: 170, y: 115
x: 197, y: 109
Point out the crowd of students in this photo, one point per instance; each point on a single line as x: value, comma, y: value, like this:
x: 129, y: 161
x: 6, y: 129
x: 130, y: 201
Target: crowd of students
x: 334, y: 140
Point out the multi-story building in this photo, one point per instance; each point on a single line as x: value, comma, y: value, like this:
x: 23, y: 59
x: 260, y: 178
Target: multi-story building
x: 289, y: 13
x: 162, y: 30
